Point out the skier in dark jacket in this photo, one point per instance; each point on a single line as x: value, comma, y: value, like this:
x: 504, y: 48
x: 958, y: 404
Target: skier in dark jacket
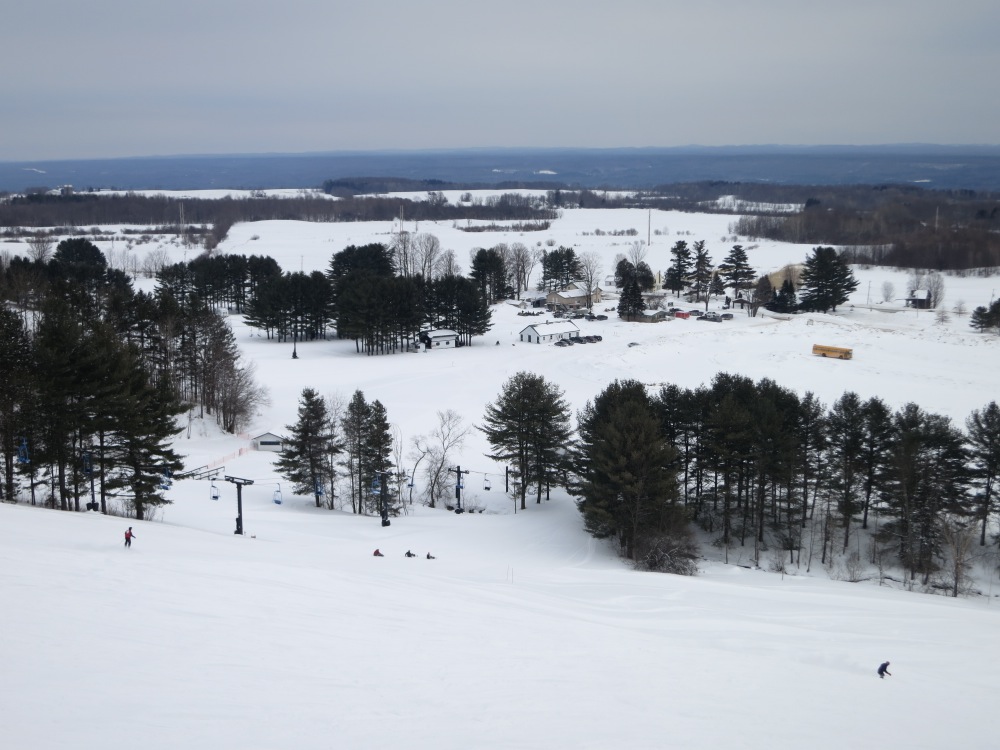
x: 883, y: 670
x: 410, y: 554
x: 129, y: 536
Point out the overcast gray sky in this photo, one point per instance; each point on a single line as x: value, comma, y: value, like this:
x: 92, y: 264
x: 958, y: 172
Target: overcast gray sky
x: 103, y: 78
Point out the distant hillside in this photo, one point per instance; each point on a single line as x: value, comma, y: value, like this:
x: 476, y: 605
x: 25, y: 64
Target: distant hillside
x: 940, y: 167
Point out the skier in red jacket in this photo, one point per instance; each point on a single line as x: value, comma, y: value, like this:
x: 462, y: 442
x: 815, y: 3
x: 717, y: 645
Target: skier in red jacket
x: 129, y: 536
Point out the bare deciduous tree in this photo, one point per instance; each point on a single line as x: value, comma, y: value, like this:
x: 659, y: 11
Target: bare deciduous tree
x: 40, y: 247
x: 888, y: 291
x: 637, y: 252
x: 590, y: 273
x: 436, y: 449
x: 447, y: 265
x: 426, y: 250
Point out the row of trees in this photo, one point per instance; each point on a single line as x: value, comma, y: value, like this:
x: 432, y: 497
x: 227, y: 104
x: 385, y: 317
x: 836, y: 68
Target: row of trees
x: 826, y: 281
x: 95, y: 375
x: 331, y: 440
x: 758, y: 465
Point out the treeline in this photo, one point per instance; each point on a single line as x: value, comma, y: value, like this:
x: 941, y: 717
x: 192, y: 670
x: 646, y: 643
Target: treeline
x: 756, y: 465
x: 95, y: 374
x: 363, y: 296
x: 95, y: 209
x: 759, y: 465
x: 935, y: 230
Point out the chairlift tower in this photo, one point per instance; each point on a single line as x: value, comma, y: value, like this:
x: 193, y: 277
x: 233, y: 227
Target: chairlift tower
x: 239, y: 500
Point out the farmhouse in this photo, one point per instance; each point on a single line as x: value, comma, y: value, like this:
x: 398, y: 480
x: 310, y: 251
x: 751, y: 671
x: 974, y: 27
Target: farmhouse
x: 440, y: 338
x: 268, y: 441
x: 574, y: 296
x: 543, y: 332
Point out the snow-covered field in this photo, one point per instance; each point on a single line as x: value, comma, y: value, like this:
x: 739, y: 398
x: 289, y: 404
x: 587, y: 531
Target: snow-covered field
x: 524, y: 632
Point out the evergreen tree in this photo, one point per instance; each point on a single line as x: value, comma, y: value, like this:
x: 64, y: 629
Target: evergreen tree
x: 736, y: 270
x: 307, y: 458
x: 680, y: 268
x: 626, y: 470
x: 141, y: 459
x: 630, y: 304
x: 983, y: 427
x: 827, y: 281
x: 702, y: 272
x: 785, y: 300
x: 15, y: 395
x: 528, y: 426
x: 354, y: 424
x: 844, y: 468
x: 928, y: 475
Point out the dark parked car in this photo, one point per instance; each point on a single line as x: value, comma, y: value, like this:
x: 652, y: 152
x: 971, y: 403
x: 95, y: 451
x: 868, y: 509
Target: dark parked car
x: 726, y: 316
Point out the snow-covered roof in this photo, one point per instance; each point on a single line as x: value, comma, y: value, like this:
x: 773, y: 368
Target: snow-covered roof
x: 553, y: 327
x: 440, y: 333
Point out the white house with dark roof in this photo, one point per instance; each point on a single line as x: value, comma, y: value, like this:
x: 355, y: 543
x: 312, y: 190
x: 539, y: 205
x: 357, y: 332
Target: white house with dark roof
x: 539, y: 333
x: 439, y: 338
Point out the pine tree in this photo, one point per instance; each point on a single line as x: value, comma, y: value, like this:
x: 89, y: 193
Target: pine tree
x: 626, y: 469
x: 307, y: 458
x: 702, y: 274
x: 736, y: 270
x: 528, y: 426
x: 630, y: 304
x: 827, y: 281
x: 15, y: 364
x: 680, y: 268
x: 983, y: 427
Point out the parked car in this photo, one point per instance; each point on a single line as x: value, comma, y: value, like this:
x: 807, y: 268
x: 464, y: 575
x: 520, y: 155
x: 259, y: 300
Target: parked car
x: 562, y: 342
x: 695, y: 313
x: 711, y: 317
x: 726, y: 316
x: 600, y: 317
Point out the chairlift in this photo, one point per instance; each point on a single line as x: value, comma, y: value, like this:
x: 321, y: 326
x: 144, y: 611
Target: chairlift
x: 166, y: 481
x: 88, y: 468
x: 486, y: 483
x: 376, y: 485
x: 276, y: 497
x: 320, y: 491
x: 214, y: 492
x: 409, y: 483
x: 22, y: 452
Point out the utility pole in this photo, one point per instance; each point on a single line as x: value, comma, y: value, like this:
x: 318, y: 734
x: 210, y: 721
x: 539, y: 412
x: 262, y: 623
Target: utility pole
x: 458, y: 487
x: 239, y: 501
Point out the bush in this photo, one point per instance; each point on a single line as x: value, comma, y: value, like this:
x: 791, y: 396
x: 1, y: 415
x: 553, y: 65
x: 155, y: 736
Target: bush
x: 668, y: 552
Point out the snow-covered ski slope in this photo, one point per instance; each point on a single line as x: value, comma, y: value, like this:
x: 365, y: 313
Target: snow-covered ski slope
x: 524, y: 632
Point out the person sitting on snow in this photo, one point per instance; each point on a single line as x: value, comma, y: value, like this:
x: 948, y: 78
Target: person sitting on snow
x: 410, y: 554
x: 378, y: 554
x: 430, y: 556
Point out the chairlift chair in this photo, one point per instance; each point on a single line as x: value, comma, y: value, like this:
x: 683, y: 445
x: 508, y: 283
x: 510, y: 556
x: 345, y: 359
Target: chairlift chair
x: 214, y: 492
x: 22, y: 452
x: 276, y: 497
x: 486, y: 483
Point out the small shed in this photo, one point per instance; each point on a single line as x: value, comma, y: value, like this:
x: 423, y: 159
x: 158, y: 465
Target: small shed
x: 268, y: 441
x: 440, y: 338
x: 538, y: 333
x: 920, y: 299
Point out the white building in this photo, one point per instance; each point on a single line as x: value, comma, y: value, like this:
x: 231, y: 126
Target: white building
x: 269, y: 442
x: 538, y: 333
x: 440, y: 338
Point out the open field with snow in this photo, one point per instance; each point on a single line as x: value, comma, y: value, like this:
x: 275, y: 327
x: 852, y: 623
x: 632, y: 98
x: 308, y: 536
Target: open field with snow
x: 524, y: 632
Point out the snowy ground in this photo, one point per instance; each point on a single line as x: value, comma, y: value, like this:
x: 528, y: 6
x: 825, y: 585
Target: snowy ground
x: 524, y: 632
